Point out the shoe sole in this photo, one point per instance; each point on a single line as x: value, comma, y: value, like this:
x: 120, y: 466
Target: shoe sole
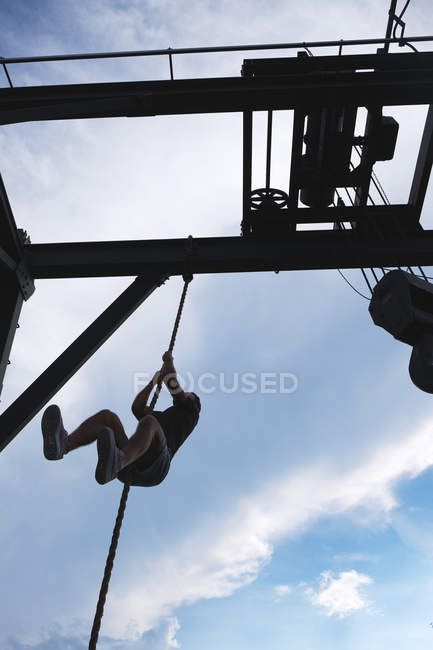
x: 106, y: 445
x: 51, y: 425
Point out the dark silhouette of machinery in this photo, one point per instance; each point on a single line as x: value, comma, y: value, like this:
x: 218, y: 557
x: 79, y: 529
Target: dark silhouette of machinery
x: 402, y: 304
x: 323, y: 142
x: 329, y: 138
x: 269, y: 212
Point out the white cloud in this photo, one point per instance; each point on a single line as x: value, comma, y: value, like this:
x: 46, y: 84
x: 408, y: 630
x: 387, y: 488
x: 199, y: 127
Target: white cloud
x: 416, y: 534
x: 162, y: 637
x: 355, y: 557
x: 340, y: 596
x: 282, y: 590
x: 226, y: 553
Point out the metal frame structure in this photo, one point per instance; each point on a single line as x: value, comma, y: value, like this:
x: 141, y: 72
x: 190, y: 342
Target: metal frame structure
x: 344, y: 84
x: 378, y: 236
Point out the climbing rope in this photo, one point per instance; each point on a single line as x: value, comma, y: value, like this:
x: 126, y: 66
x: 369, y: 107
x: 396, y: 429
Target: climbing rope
x: 187, y: 280
x: 123, y: 499
x: 108, y: 568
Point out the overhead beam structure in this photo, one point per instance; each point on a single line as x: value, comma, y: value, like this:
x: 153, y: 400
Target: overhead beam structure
x: 36, y: 396
x: 402, y: 80
x: 323, y: 91
x: 304, y: 250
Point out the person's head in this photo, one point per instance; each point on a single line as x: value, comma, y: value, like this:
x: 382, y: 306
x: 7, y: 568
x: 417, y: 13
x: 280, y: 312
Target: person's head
x: 195, y: 397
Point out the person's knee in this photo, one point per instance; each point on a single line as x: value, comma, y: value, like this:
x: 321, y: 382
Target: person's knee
x: 106, y: 416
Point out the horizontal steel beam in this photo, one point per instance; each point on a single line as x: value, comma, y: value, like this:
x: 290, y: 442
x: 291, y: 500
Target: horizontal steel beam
x: 323, y: 249
x: 34, y: 398
x: 270, y: 67
x: 231, y: 94
x: 387, y: 217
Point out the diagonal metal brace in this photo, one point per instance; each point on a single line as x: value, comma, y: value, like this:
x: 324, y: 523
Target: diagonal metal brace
x: 34, y: 398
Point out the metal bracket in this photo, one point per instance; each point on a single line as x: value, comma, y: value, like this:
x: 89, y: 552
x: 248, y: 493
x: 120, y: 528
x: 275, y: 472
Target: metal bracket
x: 190, y: 253
x: 25, y: 280
x: 23, y: 275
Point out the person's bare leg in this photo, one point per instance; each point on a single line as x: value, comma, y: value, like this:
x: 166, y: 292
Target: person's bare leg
x: 148, y: 428
x: 88, y: 431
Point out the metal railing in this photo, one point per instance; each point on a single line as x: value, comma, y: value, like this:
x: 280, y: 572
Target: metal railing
x: 171, y: 52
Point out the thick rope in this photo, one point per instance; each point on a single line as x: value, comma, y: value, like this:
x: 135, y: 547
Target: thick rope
x: 187, y: 280
x: 108, y: 568
x: 123, y: 499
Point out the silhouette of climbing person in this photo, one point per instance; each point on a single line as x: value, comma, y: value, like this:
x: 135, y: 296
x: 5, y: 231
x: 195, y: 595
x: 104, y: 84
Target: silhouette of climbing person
x: 144, y: 459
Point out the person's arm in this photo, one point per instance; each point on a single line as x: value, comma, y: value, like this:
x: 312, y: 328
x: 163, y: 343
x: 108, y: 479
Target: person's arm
x: 170, y: 379
x: 139, y: 406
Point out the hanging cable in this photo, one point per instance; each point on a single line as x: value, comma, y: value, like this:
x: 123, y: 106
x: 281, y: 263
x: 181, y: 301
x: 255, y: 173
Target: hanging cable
x: 377, y: 229
x: 404, y: 42
x: 400, y: 23
x: 398, y: 20
x: 351, y: 285
x: 362, y: 270
x: 341, y: 226
x: 367, y: 281
x: 423, y: 275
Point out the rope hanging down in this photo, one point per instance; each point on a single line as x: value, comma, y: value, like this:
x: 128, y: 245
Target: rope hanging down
x: 123, y: 499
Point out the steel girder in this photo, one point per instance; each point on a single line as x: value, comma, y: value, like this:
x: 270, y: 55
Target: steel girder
x: 303, y: 250
x: 399, y: 82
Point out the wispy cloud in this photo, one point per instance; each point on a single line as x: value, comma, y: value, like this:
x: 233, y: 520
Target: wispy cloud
x: 280, y: 591
x: 220, y: 557
x: 340, y: 595
x: 355, y: 557
x: 161, y: 637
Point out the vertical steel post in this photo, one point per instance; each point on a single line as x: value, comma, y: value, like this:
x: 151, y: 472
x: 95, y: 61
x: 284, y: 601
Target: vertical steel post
x: 296, y: 157
x: 391, y: 16
x: 16, y: 283
x: 12, y: 300
x: 423, y: 166
x: 269, y: 151
x: 247, y: 169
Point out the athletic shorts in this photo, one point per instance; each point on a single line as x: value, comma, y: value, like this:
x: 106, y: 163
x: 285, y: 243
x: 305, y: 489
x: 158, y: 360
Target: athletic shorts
x: 177, y: 422
x: 141, y: 474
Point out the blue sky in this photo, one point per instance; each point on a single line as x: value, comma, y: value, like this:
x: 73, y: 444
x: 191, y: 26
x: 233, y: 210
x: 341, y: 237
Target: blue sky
x: 299, y: 519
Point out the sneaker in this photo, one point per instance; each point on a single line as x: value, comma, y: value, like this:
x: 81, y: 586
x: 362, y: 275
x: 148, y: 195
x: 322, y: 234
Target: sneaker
x: 109, y: 457
x: 54, y: 434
